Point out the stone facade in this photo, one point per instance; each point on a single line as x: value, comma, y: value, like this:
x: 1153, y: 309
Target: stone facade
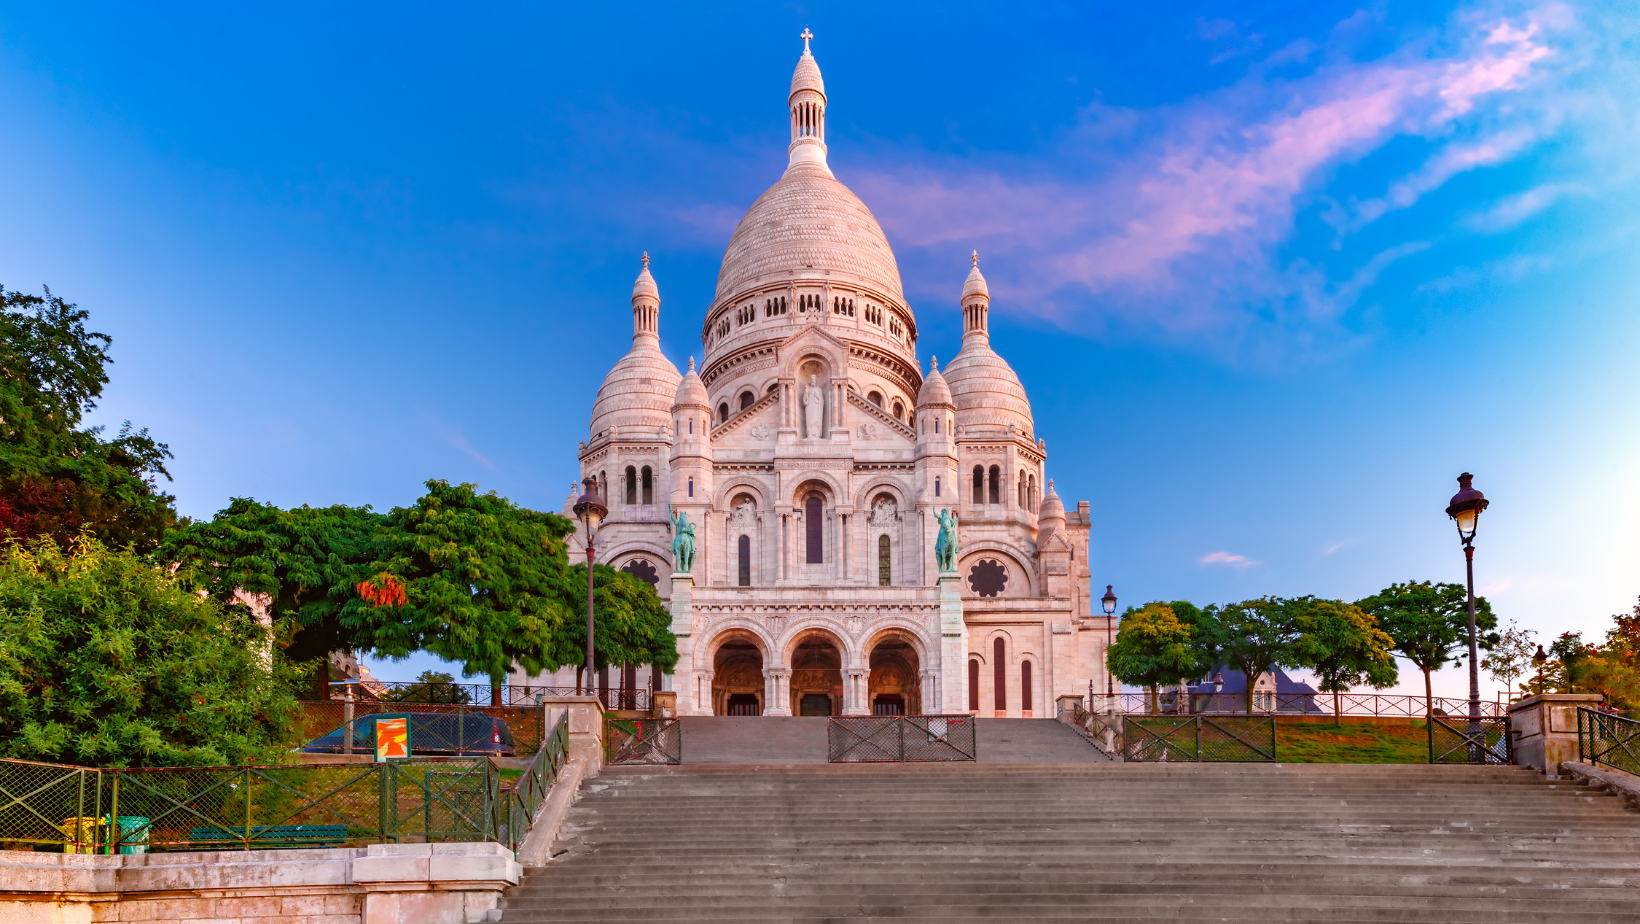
x: 813, y: 454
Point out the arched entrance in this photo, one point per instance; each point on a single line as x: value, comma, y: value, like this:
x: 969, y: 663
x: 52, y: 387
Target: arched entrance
x: 896, y: 678
x: 737, y: 678
x: 817, y: 676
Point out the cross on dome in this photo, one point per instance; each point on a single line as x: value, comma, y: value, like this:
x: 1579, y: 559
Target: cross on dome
x: 975, y: 258
x: 805, y: 37
x: 646, y: 259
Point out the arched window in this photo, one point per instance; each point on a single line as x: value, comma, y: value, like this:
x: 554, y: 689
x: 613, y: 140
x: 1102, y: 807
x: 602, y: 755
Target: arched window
x: 691, y: 487
x: 979, y: 485
x: 999, y: 666
x: 723, y: 412
x: 1025, y: 686
x: 603, y: 485
x: 899, y: 411
x: 814, y: 533
x: 743, y: 550
x: 885, y: 571
x: 648, y: 486
x: 1030, y: 494
x: 746, y: 399
x: 936, y: 425
x: 973, y: 684
x: 631, y: 485
x: 691, y: 425
x: 875, y: 397
x: 936, y: 487
x: 772, y: 387
x: 996, y: 485
x: 1022, y: 490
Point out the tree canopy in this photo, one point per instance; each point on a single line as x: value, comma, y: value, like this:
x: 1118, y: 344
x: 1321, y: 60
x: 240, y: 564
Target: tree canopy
x: 106, y: 660
x: 1429, y: 624
x: 1344, y: 646
x: 1152, y: 648
x: 59, y: 478
x: 631, y: 624
x: 1254, y: 636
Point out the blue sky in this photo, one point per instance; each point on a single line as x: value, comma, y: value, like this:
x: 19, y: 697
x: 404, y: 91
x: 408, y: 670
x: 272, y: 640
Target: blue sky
x: 1273, y: 274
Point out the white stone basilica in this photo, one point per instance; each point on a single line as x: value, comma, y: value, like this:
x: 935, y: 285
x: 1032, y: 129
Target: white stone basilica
x: 813, y: 457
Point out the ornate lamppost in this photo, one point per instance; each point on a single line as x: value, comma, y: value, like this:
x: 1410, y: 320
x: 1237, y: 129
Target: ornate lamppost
x: 590, y: 510
x: 1108, y: 602
x: 1465, y: 510
x: 1540, y: 659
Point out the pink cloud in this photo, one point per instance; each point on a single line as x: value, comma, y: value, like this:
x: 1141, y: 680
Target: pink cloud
x: 1225, y: 558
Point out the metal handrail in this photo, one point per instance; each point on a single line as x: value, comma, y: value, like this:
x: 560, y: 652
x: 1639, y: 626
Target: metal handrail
x: 1605, y: 739
x: 1377, y: 704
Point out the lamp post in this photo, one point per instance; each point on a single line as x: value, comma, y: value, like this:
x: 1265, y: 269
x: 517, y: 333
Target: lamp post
x: 1108, y: 601
x: 1465, y: 511
x: 1540, y: 659
x: 589, y: 509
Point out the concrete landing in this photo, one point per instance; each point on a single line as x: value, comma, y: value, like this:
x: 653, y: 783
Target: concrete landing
x: 771, y: 740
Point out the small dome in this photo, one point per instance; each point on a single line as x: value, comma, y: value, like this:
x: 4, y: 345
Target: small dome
x: 985, y: 389
x: 975, y: 283
x: 638, y: 392
x: 645, y: 286
x: 691, y: 392
x: 934, y: 390
x: 807, y: 75
x: 1052, y: 507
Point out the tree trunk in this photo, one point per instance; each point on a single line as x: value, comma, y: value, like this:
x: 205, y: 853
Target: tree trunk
x: 1155, y: 707
x: 578, y: 672
x: 323, y: 690
x: 1429, y: 699
x: 495, y: 694
x: 1338, y: 719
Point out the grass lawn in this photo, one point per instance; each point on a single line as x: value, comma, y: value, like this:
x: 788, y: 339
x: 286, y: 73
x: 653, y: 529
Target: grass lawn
x: 1351, y: 743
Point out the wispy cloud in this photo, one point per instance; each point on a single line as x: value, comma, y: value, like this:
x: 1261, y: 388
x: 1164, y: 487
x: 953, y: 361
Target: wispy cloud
x: 1335, y: 547
x: 1177, y: 217
x: 454, y: 438
x: 1226, y: 558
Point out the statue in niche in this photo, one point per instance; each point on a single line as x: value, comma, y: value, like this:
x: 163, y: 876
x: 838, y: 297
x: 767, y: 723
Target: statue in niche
x: 945, y: 547
x: 745, y: 513
x: 683, y: 541
x: 884, y: 512
x: 814, y: 408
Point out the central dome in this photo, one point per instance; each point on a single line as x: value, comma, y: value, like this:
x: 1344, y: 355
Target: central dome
x: 808, y: 219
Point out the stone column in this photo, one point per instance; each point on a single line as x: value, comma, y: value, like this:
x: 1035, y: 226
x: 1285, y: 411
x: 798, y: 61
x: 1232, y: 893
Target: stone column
x: 1544, y: 729
x: 683, y: 625
x: 779, y: 702
x: 953, y: 664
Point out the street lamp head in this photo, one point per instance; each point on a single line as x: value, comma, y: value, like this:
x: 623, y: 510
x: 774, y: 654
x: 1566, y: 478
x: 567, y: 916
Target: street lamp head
x: 1466, y: 507
x: 589, y: 507
x: 1218, y: 682
x: 1108, y: 601
x: 1540, y: 658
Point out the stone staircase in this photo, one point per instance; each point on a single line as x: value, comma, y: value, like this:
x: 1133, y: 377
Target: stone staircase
x: 771, y: 740
x: 1088, y: 842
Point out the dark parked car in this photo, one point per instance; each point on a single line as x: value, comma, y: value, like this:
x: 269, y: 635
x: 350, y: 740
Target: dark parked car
x: 432, y: 734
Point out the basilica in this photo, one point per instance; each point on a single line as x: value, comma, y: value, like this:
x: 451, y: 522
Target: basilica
x: 815, y: 460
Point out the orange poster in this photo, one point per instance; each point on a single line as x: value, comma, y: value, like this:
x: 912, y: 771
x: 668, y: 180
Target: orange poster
x: 392, y: 738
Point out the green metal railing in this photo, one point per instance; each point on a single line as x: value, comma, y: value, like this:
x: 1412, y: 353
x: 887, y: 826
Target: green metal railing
x: 418, y: 800
x: 1608, y: 740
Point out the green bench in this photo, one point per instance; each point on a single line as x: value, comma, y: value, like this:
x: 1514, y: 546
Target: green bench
x: 269, y: 837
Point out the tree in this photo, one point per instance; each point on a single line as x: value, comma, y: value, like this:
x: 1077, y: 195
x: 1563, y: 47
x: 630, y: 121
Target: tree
x: 58, y: 478
x: 1255, y: 636
x: 430, y: 687
x: 1511, y: 655
x: 1344, y: 646
x: 1153, y: 647
x: 307, y: 560
x: 1430, y: 625
x: 631, y: 624
x: 108, y: 661
x: 484, y: 579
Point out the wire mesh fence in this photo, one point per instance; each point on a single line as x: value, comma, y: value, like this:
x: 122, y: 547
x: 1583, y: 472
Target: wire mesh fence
x: 416, y: 800
x: 1608, y: 740
x: 419, y: 693
x: 892, y: 738
x: 1199, y: 738
x: 643, y: 741
x: 1464, y: 740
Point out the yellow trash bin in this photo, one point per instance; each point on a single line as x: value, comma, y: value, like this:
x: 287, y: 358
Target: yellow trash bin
x: 80, y: 834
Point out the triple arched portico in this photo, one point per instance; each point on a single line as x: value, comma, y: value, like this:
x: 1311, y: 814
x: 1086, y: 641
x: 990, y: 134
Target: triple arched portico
x: 816, y: 667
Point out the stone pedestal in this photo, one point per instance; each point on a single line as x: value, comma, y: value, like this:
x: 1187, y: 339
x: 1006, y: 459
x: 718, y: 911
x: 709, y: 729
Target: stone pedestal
x: 586, y: 727
x: 683, y: 626
x: 1544, y: 729
x: 953, y: 645
x: 666, y: 704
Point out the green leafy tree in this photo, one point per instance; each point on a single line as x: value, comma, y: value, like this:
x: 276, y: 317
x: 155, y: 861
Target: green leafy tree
x: 1344, y: 646
x: 1511, y: 656
x: 106, y: 660
x: 59, y: 478
x: 631, y: 624
x: 1153, y: 647
x: 1430, y: 625
x: 1255, y: 636
x: 430, y: 687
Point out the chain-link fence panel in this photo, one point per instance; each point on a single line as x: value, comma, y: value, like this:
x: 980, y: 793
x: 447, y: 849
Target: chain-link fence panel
x: 49, y: 805
x: 1455, y: 740
x: 937, y: 737
x: 643, y: 741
